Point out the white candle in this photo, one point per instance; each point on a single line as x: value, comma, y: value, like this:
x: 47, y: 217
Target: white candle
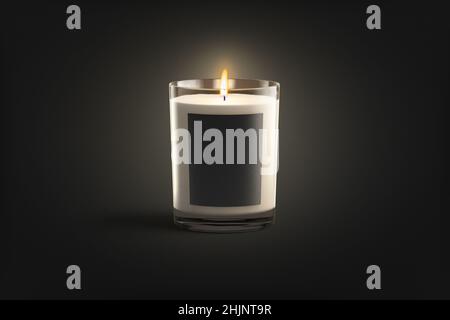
x: 224, y: 136
x: 215, y: 104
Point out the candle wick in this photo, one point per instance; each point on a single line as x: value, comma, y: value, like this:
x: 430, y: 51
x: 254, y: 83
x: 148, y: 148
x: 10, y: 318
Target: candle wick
x: 224, y: 97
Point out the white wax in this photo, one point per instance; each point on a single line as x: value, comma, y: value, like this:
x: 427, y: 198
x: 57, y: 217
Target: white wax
x: 235, y: 103
x: 231, y: 100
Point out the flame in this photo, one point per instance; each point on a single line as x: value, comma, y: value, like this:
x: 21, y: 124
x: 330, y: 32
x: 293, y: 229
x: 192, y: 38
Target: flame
x: 224, y: 83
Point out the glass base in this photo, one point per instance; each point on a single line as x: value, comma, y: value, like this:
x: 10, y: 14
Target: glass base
x: 225, y: 225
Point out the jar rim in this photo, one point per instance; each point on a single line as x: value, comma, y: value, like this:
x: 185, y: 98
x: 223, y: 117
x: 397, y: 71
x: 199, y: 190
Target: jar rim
x: 235, y: 84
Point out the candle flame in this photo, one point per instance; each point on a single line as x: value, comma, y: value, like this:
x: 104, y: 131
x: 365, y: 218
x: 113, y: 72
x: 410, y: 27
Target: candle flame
x: 224, y: 83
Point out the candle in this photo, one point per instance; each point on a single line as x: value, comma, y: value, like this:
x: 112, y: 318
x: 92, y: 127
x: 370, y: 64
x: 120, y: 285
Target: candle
x: 224, y: 136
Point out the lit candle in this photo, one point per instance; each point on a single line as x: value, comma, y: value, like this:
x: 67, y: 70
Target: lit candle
x: 224, y: 153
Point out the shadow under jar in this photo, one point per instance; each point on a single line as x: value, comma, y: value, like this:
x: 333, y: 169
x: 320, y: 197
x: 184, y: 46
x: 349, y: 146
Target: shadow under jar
x: 224, y: 154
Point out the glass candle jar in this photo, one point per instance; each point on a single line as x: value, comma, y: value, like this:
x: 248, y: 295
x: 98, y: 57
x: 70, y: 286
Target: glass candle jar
x: 224, y: 153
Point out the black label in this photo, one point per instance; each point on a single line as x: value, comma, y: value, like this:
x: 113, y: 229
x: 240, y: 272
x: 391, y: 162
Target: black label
x: 225, y: 185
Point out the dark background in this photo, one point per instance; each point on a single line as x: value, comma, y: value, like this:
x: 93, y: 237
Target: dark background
x: 86, y: 149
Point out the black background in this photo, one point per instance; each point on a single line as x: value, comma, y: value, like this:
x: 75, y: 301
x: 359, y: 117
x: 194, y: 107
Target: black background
x: 86, y: 150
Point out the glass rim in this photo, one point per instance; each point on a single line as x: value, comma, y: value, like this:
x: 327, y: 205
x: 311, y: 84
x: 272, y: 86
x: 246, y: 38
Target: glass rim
x: 192, y: 84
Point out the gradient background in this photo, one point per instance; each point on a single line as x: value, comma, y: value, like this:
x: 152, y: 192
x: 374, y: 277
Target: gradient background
x: 86, y: 150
